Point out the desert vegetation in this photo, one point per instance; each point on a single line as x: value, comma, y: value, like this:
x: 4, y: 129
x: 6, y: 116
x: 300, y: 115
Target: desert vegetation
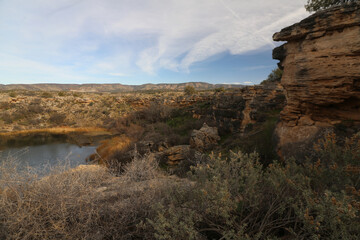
x: 316, y: 5
x: 221, y: 198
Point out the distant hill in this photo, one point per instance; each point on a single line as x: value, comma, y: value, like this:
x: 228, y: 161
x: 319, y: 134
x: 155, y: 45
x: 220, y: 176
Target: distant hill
x: 113, y: 87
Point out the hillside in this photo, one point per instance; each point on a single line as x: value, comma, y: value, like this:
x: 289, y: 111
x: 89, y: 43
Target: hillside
x: 117, y: 87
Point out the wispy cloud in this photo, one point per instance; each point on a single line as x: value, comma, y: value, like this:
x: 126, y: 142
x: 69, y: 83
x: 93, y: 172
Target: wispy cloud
x: 121, y: 36
x: 249, y: 83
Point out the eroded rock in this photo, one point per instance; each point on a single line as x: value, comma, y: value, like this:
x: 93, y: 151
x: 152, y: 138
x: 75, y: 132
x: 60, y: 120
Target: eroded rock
x: 174, y: 155
x: 204, y: 139
x: 321, y: 78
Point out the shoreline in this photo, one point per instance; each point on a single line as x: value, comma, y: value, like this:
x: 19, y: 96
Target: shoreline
x: 94, y: 131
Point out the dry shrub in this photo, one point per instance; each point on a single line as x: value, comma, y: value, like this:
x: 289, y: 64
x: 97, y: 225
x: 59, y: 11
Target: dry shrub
x: 235, y: 198
x: 82, y: 203
x: 126, y: 125
x: 58, y: 206
x: 141, y: 169
x: 109, y: 147
x: 57, y: 118
x: 156, y: 112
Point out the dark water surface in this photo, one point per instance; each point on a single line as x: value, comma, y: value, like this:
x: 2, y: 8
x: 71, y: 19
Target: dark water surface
x: 46, y: 155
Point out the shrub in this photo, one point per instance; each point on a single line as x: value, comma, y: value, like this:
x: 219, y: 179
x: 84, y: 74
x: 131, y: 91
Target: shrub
x: 76, y: 94
x: 220, y: 89
x: 7, y: 118
x: 84, y: 203
x: 316, y: 5
x: 61, y: 94
x: 235, y: 198
x: 57, y: 118
x: 59, y: 206
x: 5, y: 105
x: 189, y: 90
x: 35, y: 108
x: 141, y: 169
x: 274, y: 76
x: 13, y: 94
x: 46, y: 95
x: 240, y: 199
x: 156, y: 112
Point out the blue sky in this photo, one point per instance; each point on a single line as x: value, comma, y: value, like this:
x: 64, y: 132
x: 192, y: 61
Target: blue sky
x: 141, y: 41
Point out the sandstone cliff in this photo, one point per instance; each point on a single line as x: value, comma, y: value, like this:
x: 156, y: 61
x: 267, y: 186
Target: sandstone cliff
x: 321, y: 62
x: 234, y: 111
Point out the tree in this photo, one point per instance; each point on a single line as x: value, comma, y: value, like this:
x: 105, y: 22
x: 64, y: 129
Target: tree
x: 274, y: 76
x: 189, y: 90
x: 316, y: 5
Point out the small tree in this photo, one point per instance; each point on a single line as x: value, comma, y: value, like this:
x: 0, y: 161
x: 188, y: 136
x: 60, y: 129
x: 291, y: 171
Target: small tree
x: 189, y: 90
x: 316, y: 5
x: 274, y: 76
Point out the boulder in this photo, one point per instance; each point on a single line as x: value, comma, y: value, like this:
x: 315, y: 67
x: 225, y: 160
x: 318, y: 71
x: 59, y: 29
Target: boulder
x: 174, y: 155
x: 204, y: 139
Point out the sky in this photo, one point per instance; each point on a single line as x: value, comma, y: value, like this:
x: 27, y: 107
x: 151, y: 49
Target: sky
x: 141, y: 41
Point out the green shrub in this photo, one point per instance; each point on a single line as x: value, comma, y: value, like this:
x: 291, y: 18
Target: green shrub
x: 220, y: 89
x: 316, y: 5
x: 7, y: 118
x: 189, y: 90
x: 61, y: 94
x: 274, y: 76
x: 57, y: 118
x: 13, y: 94
x: 46, y: 95
x: 234, y: 198
x: 240, y: 199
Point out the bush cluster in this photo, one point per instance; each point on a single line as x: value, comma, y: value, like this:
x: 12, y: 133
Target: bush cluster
x: 316, y: 5
x: 234, y: 198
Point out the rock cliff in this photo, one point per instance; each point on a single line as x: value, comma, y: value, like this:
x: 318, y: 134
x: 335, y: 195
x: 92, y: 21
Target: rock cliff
x: 233, y: 111
x: 321, y: 62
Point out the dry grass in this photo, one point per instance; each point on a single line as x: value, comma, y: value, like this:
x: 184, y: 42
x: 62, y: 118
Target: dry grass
x: 57, y: 130
x: 110, y: 146
x: 141, y: 169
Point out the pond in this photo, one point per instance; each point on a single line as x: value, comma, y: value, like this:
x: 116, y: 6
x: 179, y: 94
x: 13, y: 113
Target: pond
x: 41, y: 150
x: 48, y: 155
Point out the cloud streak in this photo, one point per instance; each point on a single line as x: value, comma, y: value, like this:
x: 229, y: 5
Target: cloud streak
x: 125, y: 36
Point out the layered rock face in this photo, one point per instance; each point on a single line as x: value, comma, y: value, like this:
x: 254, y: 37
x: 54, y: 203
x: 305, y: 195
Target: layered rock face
x: 321, y: 62
x: 233, y: 111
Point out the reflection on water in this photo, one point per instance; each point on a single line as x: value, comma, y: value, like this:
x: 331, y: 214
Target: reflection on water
x: 48, y: 155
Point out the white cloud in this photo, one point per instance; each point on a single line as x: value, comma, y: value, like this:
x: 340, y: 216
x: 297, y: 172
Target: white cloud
x: 123, y: 35
x: 248, y: 83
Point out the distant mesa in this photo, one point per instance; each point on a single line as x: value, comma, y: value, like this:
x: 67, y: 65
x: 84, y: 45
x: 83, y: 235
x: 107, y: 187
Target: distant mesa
x: 117, y: 87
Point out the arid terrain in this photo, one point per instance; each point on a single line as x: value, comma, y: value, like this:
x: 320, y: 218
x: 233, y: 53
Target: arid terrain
x: 278, y: 160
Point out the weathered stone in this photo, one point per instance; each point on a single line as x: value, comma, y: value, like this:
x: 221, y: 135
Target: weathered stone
x: 321, y: 73
x: 204, y: 139
x: 174, y: 155
x: 232, y: 111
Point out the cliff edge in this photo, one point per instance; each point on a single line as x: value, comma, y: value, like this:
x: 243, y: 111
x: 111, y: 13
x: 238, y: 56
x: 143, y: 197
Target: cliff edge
x: 321, y: 79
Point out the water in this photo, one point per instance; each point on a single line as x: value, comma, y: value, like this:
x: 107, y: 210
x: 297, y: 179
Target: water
x: 48, y: 155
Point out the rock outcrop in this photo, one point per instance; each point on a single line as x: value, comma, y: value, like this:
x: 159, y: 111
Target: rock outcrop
x: 174, y: 155
x: 204, y: 139
x: 321, y: 62
x: 233, y: 111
